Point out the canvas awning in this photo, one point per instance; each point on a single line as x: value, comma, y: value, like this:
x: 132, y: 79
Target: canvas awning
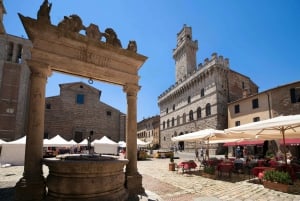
x: 291, y: 141
x: 57, y: 141
x: 281, y: 127
x: 245, y: 143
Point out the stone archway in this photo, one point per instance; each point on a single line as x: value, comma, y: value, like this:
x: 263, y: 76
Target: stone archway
x: 62, y: 48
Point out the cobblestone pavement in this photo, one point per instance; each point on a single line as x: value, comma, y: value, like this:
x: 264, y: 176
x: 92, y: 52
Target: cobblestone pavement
x: 164, y: 185
x: 173, y: 186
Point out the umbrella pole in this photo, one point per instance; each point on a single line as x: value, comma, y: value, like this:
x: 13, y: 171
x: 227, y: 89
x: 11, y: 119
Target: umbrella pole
x: 207, y: 150
x: 284, y: 146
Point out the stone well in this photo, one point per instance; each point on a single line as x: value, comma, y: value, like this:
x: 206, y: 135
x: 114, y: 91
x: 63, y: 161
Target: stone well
x: 86, y: 178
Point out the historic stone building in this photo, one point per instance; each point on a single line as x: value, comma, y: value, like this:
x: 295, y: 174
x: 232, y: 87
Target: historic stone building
x: 148, y: 130
x: 281, y: 100
x: 78, y: 110
x: 199, y: 98
x: 14, y: 81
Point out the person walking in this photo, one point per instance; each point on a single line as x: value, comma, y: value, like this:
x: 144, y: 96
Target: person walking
x: 196, y: 154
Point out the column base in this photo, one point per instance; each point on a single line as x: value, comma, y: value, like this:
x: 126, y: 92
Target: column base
x: 30, y: 190
x: 134, y: 186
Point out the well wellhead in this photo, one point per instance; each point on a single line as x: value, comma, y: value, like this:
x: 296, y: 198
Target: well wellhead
x: 86, y: 177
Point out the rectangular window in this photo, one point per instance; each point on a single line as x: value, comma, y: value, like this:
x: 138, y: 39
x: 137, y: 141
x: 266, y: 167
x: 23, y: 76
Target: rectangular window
x: 80, y: 99
x: 48, y: 106
x: 295, y: 95
x: 237, y: 109
x: 255, y: 103
x: 108, y: 113
x: 202, y: 92
x: 255, y: 119
x: 237, y: 123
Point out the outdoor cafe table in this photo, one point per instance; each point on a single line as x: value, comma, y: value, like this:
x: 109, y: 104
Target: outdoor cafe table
x: 187, y: 165
x: 226, y: 167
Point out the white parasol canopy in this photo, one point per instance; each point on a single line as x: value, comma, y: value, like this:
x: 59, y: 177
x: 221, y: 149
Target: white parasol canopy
x: 83, y: 142
x: 201, y: 135
x: 141, y: 143
x: 57, y: 141
x: 122, y: 144
x: 2, y: 142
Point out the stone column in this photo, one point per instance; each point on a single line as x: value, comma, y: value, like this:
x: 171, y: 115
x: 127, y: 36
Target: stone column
x: 133, y: 178
x: 32, y: 185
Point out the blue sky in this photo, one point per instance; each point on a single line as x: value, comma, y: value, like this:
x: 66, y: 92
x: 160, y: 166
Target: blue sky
x: 261, y: 38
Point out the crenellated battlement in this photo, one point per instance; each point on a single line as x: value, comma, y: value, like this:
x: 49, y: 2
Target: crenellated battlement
x: 215, y: 60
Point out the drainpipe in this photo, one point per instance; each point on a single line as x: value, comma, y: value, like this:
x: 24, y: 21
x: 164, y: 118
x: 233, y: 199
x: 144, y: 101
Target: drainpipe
x: 269, y: 106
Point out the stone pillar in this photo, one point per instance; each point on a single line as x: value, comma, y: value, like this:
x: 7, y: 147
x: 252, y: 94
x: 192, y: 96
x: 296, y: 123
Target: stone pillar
x: 32, y: 185
x: 133, y: 178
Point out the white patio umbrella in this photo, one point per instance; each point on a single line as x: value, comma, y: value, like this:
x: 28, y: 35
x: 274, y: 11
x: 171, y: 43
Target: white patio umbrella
x: 57, y: 141
x: 199, y: 135
x: 281, y: 127
x: 141, y: 143
x: 2, y: 142
x: 122, y: 144
x: 207, y: 135
x: 84, y: 142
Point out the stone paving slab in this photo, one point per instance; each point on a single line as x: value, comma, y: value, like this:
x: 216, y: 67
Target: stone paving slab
x: 194, y: 187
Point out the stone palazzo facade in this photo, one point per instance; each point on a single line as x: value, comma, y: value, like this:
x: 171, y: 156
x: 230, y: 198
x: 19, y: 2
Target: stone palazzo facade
x: 148, y: 131
x: 199, y: 98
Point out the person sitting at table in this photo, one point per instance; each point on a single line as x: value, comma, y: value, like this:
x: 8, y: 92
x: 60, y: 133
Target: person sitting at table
x: 238, y: 164
x: 272, y: 162
x: 226, y: 159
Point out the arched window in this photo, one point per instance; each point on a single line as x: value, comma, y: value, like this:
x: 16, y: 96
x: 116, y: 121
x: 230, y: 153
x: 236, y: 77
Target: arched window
x: 178, y: 120
x: 164, y: 125
x: 173, y: 121
x: 173, y: 107
x: 191, y: 115
x: 198, y: 112
x: 189, y: 99
x: 208, y: 109
x: 167, y: 110
x: 184, y: 118
x: 168, y: 123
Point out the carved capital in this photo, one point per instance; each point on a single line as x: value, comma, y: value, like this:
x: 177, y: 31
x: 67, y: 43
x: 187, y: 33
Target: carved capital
x: 131, y: 89
x: 39, y: 69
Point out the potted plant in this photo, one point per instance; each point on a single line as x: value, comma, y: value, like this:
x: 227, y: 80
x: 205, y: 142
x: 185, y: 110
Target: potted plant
x: 209, y: 171
x: 277, y: 180
x: 171, y: 164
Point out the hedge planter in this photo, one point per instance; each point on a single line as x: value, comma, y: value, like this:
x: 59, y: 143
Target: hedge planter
x: 276, y: 186
x: 209, y: 176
